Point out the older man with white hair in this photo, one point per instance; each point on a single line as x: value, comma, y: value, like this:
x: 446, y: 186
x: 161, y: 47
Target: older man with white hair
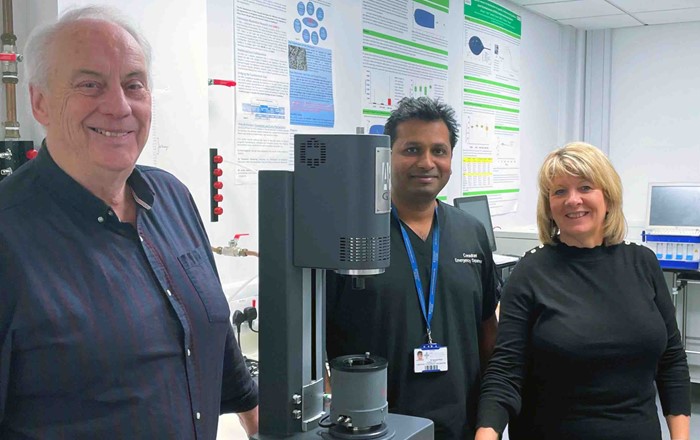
x: 113, y: 323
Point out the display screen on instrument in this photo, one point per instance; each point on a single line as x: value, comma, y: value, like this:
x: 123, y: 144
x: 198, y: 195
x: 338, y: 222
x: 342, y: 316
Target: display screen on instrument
x: 676, y: 205
x: 478, y: 206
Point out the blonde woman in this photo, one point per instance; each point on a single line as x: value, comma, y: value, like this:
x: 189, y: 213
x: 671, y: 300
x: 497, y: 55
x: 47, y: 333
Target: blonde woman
x: 587, y: 330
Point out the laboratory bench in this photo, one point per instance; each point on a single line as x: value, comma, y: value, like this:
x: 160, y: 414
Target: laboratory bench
x: 685, y: 292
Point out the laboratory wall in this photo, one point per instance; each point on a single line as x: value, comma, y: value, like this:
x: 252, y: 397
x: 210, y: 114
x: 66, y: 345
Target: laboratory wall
x: 551, y: 83
x: 654, y: 113
x: 193, y: 41
x: 654, y: 119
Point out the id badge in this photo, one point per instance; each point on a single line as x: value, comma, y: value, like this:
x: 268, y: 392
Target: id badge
x: 430, y: 358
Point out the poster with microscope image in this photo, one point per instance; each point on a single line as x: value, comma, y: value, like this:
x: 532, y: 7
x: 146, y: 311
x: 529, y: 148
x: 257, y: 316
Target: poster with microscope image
x: 283, y: 66
x: 310, y: 50
x: 400, y: 36
x: 491, y: 111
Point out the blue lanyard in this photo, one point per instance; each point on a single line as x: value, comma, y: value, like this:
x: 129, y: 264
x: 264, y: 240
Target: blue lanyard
x: 416, y: 275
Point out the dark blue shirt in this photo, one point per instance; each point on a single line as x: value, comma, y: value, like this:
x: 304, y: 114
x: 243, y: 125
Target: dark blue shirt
x: 108, y: 330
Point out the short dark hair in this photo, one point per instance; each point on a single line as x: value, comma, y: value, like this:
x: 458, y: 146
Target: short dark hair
x: 424, y: 109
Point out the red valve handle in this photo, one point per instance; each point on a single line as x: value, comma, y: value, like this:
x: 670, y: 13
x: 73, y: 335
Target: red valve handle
x: 8, y: 57
x: 222, y: 82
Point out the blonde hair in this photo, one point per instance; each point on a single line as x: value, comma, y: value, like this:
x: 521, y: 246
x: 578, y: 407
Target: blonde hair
x: 588, y: 162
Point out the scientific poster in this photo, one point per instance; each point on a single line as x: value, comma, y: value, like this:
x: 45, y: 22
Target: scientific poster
x: 283, y: 69
x: 311, y: 64
x: 491, y: 112
x: 401, y: 36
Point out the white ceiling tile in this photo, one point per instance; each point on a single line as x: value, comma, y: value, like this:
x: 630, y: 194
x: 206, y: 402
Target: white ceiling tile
x: 575, y: 9
x: 674, y: 16
x: 654, y: 5
x: 606, y: 22
x: 608, y: 14
x: 536, y: 2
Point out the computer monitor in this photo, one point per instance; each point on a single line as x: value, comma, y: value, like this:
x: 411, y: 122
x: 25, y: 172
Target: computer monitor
x: 674, y: 205
x: 478, y: 206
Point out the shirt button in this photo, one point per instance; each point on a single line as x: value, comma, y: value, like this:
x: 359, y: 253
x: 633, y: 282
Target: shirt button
x: 189, y: 353
x: 110, y: 213
x: 198, y: 415
x: 141, y: 238
x: 101, y: 219
x: 168, y: 292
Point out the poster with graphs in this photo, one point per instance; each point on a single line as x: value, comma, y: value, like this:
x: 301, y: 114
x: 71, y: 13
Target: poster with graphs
x: 491, y: 110
x: 400, y: 37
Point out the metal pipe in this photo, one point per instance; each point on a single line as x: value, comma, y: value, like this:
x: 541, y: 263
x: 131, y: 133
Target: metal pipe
x: 674, y: 289
x: 690, y: 281
x: 7, y: 16
x: 9, y: 74
x: 11, y: 96
x: 684, y: 308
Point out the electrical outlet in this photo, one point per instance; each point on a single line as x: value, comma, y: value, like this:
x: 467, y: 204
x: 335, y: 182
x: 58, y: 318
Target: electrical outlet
x: 249, y: 338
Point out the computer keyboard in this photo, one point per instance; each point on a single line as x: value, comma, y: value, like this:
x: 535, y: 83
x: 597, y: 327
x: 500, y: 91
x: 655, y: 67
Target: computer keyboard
x: 500, y: 259
x: 667, y: 230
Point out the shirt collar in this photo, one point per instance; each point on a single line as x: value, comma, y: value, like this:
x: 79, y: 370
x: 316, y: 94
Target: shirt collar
x: 64, y: 187
x: 141, y: 189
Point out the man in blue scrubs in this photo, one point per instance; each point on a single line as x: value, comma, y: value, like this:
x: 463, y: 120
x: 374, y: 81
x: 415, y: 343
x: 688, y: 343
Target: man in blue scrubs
x: 446, y: 312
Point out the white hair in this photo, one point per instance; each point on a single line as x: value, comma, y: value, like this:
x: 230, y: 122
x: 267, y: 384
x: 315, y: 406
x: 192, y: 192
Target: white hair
x: 39, y: 44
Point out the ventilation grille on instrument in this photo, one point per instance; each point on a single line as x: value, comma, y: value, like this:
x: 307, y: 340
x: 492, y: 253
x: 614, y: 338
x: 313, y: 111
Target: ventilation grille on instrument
x: 363, y: 249
x: 312, y: 153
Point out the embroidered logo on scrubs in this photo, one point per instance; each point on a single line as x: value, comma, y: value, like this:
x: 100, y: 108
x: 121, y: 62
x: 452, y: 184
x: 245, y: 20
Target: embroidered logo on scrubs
x: 468, y: 259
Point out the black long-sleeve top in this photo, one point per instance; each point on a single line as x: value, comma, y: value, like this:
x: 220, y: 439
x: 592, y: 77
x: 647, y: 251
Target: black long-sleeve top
x: 584, y: 337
